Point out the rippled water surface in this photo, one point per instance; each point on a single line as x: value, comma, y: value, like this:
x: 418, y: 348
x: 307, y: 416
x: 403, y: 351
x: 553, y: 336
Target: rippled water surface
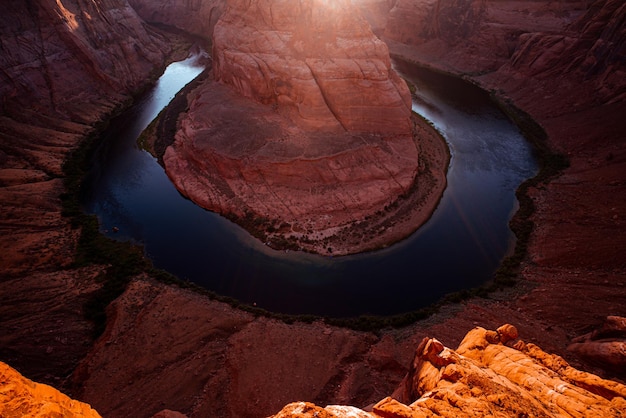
x: 460, y: 247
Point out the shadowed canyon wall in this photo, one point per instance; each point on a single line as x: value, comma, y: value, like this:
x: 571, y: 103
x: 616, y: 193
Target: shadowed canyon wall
x: 197, y: 17
x: 65, y: 65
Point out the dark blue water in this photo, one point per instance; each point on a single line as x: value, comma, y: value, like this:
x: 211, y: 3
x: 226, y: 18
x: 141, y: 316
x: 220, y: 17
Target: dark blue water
x: 459, y: 248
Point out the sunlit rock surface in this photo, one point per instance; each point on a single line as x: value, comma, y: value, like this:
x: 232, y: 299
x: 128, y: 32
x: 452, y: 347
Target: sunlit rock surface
x: 306, y: 130
x: 489, y: 374
x: 196, y: 16
x: 21, y: 397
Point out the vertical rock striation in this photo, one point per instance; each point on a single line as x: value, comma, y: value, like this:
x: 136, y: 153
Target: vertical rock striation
x: 305, y: 130
x: 317, y: 58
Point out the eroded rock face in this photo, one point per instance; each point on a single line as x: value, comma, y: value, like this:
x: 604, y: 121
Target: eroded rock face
x: 316, y: 59
x: 307, y: 128
x: 196, y: 16
x: 487, y: 375
x: 606, y: 345
x: 21, y: 397
x: 474, y: 35
x: 64, y: 64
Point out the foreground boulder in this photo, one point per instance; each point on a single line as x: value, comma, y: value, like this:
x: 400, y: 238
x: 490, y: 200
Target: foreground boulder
x: 488, y: 375
x: 21, y: 397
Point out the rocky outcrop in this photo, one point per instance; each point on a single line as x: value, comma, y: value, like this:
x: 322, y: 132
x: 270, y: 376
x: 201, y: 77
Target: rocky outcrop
x: 487, y: 375
x: 306, y: 132
x: 21, y: 397
x: 196, y: 16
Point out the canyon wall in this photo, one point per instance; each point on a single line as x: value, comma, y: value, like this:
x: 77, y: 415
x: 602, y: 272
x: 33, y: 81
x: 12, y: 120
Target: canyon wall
x: 197, y: 17
x: 247, y: 365
x: 476, y: 36
x: 64, y: 66
x: 304, y: 128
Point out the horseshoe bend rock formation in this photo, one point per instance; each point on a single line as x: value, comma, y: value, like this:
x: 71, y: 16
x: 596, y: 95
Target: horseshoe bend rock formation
x: 487, y: 375
x: 305, y: 123
x: 316, y: 58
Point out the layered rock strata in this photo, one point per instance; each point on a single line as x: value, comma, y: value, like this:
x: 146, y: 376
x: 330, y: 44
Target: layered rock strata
x: 306, y: 131
x: 487, y: 375
x: 197, y: 17
x: 255, y: 366
x: 64, y: 65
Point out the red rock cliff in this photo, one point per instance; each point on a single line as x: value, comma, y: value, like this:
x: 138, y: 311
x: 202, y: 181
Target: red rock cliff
x: 317, y: 58
x: 306, y: 127
x: 486, y: 376
x: 64, y: 65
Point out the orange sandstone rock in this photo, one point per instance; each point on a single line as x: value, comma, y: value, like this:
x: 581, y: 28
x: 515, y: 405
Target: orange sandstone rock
x: 21, y: 397
x: 484, y: 377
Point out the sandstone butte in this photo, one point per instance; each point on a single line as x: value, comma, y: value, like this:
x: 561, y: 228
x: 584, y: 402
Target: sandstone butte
x: 491, y: 373
x: 66, y: 64
x: 305, y: 130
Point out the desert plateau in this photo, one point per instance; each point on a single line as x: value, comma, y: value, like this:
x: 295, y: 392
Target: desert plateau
x: 301, y: 130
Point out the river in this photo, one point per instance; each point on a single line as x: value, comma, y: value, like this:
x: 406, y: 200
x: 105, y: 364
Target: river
x: 458, y: 248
